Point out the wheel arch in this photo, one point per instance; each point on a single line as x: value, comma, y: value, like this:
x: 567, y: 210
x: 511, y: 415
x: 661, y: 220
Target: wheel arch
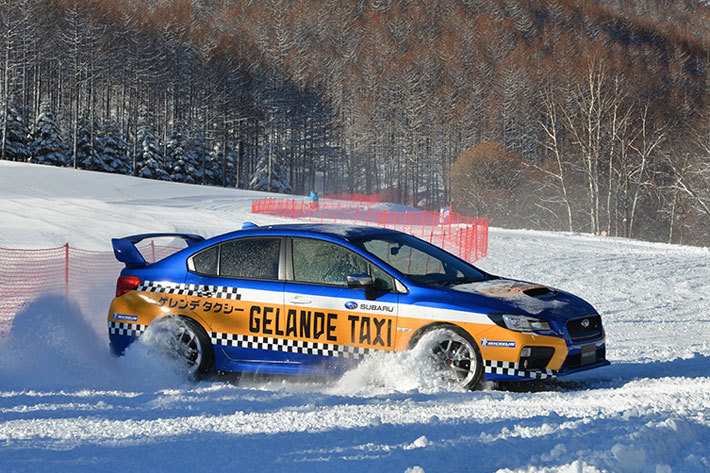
x: 421, y: 331
x: 185, y: 316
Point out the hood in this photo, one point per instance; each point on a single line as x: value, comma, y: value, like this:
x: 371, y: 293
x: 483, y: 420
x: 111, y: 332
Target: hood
x: 521, y: 297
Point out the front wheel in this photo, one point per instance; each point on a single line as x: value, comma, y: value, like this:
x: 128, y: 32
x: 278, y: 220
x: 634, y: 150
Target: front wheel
x: 455, y: 356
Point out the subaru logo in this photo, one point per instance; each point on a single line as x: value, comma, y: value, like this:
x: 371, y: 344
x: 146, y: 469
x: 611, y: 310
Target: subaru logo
x: 585, y: 323
x: 352, y: 305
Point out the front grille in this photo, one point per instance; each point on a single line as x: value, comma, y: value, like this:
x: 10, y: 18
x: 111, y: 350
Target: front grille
x: 579, y: 333
x: 575, y: 361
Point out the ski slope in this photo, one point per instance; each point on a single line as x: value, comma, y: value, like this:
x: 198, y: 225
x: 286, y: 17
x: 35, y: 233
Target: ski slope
x: 67, y: 406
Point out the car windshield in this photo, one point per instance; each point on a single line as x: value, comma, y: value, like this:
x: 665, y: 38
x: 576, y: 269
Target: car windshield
x: 420, y: 261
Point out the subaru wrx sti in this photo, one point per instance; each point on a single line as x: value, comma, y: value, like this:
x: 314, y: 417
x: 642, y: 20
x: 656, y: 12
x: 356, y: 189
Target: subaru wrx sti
x: 309, y: 299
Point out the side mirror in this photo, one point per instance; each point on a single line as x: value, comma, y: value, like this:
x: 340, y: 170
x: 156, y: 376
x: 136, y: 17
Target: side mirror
x: 363, y: 281
x: 358, y: 281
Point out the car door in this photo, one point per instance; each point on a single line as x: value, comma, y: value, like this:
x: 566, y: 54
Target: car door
x: 240, y: 289
x: 320, y: 308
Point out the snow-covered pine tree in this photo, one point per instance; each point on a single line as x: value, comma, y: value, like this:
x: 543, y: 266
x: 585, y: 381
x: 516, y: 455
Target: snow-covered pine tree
x: 198, y: 154
x: 220, y: 165
x: 17, y: 139
x: 260, y: 177
x: 181, y: 168
x: 232, y: 169
x: 88, y: 154
x: 46, y: 146
x: 149, y: 160
x: 113, y: 148
x: 231, y: 166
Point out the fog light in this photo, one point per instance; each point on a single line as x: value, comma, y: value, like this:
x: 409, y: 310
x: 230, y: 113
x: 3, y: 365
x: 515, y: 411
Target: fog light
x: 535, y: 358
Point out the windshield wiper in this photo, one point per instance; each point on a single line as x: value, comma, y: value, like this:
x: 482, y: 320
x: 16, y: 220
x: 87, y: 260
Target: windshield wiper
x: 464, y: 280
x: 457, y: 281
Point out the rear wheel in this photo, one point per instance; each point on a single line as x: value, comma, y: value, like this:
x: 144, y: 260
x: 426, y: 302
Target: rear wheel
x: 188, y: 341
x: 455, y: 356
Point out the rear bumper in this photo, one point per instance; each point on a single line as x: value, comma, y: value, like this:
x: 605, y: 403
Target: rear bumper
x: 119, y: 343
x: 122, y: 334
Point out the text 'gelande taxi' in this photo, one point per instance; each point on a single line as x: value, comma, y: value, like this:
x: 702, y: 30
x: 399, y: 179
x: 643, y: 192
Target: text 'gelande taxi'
x: 304, y: 299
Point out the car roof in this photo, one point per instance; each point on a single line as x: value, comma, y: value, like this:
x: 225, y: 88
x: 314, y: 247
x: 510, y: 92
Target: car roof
x: 325, y: 231
x: 339, y: 231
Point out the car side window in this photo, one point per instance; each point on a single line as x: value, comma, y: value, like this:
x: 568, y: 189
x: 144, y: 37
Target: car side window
x: 205, y: 262
x: 251, y: 258
x: 383, y: 281
x: 322, y: 262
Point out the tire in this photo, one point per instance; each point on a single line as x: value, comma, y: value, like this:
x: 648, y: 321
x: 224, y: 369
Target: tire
x: 188, y: 342
x: 455, y: 355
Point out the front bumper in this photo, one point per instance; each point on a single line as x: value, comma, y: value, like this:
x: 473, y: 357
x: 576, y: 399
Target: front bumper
x: 515, y: 371
x: 574, y: 364
x: 579, y: 369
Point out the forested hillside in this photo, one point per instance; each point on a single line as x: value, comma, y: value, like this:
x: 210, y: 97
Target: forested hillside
x: 571, y: 115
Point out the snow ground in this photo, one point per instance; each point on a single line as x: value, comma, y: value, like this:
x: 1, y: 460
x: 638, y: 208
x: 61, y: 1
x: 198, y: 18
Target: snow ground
x: 66, y: 405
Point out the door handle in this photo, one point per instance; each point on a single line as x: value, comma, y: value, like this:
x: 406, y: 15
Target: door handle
x: 299, y: 301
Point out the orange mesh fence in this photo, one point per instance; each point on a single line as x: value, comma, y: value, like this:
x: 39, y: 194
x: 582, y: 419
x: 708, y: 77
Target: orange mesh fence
x: 76, y: 273
x: 464, y: 236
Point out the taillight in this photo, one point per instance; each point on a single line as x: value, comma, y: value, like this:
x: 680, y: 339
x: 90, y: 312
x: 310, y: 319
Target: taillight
x: 126, y: 283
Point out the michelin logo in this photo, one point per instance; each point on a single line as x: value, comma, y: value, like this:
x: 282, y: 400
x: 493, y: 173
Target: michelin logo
x: 497, y: 343
x: 125, y: 318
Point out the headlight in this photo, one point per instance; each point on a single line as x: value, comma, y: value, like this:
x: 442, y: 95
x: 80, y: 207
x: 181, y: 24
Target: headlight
x: 520, y: 323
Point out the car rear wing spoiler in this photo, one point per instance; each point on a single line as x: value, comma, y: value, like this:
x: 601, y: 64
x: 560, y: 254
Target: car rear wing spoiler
x: 126, y: 251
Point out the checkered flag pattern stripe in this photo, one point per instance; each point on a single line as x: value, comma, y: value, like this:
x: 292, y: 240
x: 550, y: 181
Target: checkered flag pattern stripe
x: 291, y: 346
x: 513, y: 369
x: 123, y: 328
x: 196, y: 290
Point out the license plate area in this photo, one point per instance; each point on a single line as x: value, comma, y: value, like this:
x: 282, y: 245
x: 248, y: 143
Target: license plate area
x: 589, y: 354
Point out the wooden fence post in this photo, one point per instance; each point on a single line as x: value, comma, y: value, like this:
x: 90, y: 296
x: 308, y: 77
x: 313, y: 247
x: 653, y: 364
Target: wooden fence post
x: 66, y: 269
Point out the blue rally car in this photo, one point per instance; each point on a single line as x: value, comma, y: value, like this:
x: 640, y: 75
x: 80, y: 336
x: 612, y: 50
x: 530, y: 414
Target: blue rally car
x: 309, y: 299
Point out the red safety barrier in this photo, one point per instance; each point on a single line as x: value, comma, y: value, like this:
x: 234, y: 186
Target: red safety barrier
x: 464, y: 236
x: 75, y: 273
